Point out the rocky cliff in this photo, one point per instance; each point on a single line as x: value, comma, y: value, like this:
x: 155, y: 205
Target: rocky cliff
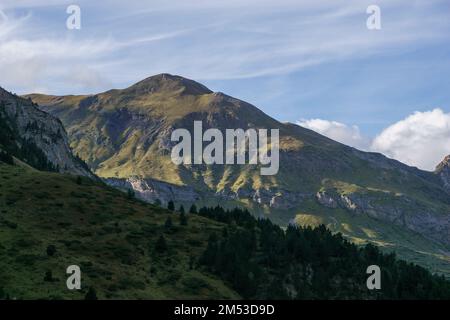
x: 36, y: 137
x: 151, y: 190
x: 443, y: 171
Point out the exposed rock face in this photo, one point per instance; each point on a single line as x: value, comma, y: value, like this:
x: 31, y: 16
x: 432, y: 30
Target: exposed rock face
x: 150, y: 190
x: 326, y: 200
x: 443, y: 170
x: 397, y: 209
x: 272, y: 198
x: 43, y: 130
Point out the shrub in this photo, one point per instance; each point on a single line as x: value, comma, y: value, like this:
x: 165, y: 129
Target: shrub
x: 91, y: 294
x: 51, y: 250
x: 171, y: 206
x: 161, y: 245
x: 168, y: 224
x: 183, y: 219
x: 48, y: 276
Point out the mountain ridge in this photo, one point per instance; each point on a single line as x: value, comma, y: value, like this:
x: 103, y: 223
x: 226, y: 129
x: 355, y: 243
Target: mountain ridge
x: 126, y: 133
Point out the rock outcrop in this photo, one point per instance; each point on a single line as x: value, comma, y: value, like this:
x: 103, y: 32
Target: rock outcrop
x: 397, y: 209
x: 31, y: 126
x: 443, y: 170
x: 151, y: 190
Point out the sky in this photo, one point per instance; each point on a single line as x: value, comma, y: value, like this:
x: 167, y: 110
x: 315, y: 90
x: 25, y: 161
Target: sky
x: 314, y: 63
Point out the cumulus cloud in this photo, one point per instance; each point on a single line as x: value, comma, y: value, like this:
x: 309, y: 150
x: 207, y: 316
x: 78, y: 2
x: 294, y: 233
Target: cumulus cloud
x: 349, y: 135
x: 421, y: 139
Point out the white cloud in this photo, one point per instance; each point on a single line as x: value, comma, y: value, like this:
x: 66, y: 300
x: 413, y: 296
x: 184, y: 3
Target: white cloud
x: 421, y: 140
x: 349, y: 135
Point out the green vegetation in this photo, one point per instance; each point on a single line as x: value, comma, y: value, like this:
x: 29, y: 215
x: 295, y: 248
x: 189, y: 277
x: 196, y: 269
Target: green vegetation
x: 49, y: 221
x: 261, y: 261
x: 128, y: 249
x: 387, y: 202
x: 309, y: 163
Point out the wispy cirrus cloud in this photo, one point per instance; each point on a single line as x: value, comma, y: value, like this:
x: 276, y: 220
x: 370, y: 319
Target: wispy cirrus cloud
x: 205, y: 40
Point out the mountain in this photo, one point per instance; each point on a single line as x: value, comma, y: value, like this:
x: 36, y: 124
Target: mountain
x: 35, y: 137
x: 129, y: 249
x: 124, y: 136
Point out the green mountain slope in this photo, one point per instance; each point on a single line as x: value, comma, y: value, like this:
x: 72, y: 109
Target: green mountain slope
x: 129, y: 249
x: 125, y: 134
x: 50, y: 221
x: 111, y: 237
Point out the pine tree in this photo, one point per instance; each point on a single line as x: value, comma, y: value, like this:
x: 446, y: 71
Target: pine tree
x: 51, y: 250
x: 191, y: 262
x: 48, y: 276
x: 130, y: 194
x: 157, y: 203
x: 171, y: 206
x: 91, y: 294
x: 181, y: 209
x: 161, y: 245
x: 168, y: 224
x: 183, y: 219
x: 193, y: 209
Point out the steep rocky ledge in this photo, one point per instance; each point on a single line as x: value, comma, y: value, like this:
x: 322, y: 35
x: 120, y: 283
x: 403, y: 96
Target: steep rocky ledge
x: 443, y: 170
x: 150, y: 190
x: 30, y: 125
x: 393, y: 208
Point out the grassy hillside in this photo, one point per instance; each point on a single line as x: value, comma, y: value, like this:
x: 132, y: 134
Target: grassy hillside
x: 49, y: 221
x: 111, y: 237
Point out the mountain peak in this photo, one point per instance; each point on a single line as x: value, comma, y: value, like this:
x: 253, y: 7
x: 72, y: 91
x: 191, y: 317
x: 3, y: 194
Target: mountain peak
x: 166, y: 82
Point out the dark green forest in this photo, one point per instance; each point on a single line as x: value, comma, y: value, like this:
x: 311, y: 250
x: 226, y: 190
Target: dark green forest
x: 262, y: 261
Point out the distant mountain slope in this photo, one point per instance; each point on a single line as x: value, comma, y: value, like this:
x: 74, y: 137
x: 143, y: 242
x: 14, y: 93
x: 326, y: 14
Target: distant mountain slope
x: 126, y: 134
x: 36, y: 137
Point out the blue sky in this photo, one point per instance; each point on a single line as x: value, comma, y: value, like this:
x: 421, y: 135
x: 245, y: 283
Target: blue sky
x: 296, y: 60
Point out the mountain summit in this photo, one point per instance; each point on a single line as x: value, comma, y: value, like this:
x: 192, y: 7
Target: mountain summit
x: 124, y: 135
x: 165, y: 82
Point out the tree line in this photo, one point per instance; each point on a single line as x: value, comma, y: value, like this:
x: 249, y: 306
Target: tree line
x: 263, y: 261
